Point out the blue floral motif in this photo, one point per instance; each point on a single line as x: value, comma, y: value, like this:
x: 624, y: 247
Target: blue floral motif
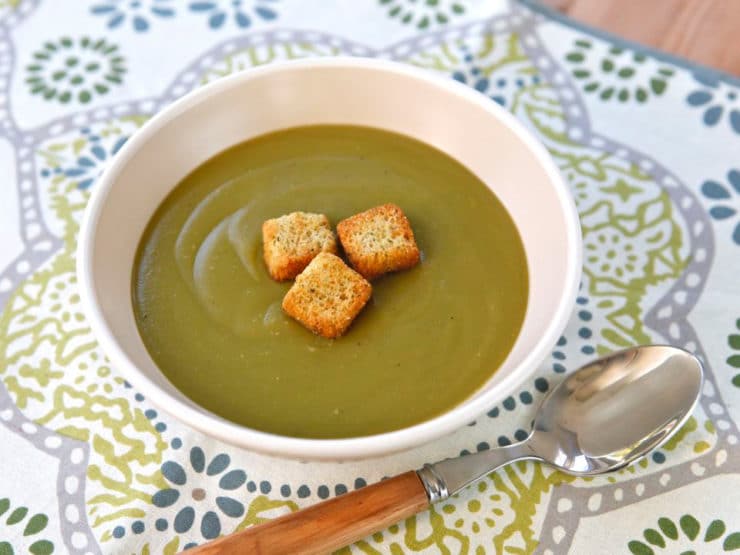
x: 136, y: 11
x: 186, y: 493
x: 90, y: 164
x: 495, y: 87
x: 219, y: 11
x: 718, y: 101
x: 90, y: 161
x: 727, y: 198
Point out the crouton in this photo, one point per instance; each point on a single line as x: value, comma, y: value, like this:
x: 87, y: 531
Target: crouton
x: 379, y: 240
x: 290, y: 242
x: 327, y: 296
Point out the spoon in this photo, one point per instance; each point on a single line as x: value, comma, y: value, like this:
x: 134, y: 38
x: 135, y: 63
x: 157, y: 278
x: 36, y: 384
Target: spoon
x: 603, y: 417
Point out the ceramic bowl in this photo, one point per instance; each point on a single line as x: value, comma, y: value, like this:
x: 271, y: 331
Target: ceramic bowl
x: 436, y: 110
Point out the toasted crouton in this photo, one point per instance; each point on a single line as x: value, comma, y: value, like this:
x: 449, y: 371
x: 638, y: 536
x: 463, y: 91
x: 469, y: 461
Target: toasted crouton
x: 327, y: 296
x: 379, y: 240
x: 290, y: 242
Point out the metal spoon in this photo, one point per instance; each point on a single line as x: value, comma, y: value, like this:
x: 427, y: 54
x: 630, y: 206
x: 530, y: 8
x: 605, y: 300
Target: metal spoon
x: 603, y: 417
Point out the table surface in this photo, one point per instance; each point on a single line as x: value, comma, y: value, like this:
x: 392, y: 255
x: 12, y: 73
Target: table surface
x: 648, y: 145
x: 704, y: 31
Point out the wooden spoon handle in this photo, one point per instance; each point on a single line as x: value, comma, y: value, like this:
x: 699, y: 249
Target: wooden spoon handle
x: 330, y: 525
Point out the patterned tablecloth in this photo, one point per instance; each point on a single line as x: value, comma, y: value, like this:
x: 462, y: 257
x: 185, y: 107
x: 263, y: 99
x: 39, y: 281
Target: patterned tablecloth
x: 649, y: 145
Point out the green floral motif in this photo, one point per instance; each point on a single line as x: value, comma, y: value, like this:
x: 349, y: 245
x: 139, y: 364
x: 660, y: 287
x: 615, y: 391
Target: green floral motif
x: 53, y: 369
x: 621, y: 75
x: 493, y: 64
x: 51, y: 364
x: 259, y: 55
x: 632, y: 242
x: 489, y: 517
x: 489, y: 53
x: 75, y: 69
x: 733, y: 340
x: 686, y: 537
x: 25, y: 527
x: 424, y: 13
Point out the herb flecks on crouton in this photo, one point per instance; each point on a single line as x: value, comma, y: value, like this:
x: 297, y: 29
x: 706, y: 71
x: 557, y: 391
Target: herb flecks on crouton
x: 378, y: 241
x: 327, y: 296
x: 290, y: 242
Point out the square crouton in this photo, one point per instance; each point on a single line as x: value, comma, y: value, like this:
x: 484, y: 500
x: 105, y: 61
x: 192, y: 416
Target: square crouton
x: 379, y: 240
x: 327, y: 296
x: 290, y: 242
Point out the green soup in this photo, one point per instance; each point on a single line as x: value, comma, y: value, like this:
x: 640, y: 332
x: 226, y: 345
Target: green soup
x: 210, y: 315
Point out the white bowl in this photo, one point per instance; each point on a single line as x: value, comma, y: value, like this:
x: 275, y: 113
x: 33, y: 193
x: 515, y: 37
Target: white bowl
x: 436, y: 110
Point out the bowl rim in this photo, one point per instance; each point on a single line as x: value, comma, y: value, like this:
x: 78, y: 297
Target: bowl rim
x: 324, y: 449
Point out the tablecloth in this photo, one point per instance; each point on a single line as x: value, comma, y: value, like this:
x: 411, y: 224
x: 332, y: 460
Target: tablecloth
x: 649, y: 145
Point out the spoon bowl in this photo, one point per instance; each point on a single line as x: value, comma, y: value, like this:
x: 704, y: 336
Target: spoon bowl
x: 613, y: 411
x: 604, y: 416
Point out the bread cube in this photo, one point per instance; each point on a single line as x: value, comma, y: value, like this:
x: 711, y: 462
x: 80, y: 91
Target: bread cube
x: 378, y: 241
x: 290, y: 242
x: 327, y: 296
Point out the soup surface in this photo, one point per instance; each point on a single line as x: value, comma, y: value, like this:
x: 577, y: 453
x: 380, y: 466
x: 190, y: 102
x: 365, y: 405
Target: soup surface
x: 210, y: 315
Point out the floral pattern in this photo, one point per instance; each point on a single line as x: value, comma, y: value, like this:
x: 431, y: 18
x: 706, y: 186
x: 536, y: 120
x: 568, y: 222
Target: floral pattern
x: 482, y: 78
x: 20, y: 522
x: 717, y: 101
x: 616, y: 73
x: 666, y: 537
x: 75, y: 70
x: 733, y: 341
x: 240, y: 12
x: 187, y: 501
x: 91, y: 160
x: 493, y: 65
x: 726, y: 199
x: 424, y: 13
x: 135, y: 12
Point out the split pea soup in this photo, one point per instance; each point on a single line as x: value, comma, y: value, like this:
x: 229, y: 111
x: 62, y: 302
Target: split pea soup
x: 211, y: 317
